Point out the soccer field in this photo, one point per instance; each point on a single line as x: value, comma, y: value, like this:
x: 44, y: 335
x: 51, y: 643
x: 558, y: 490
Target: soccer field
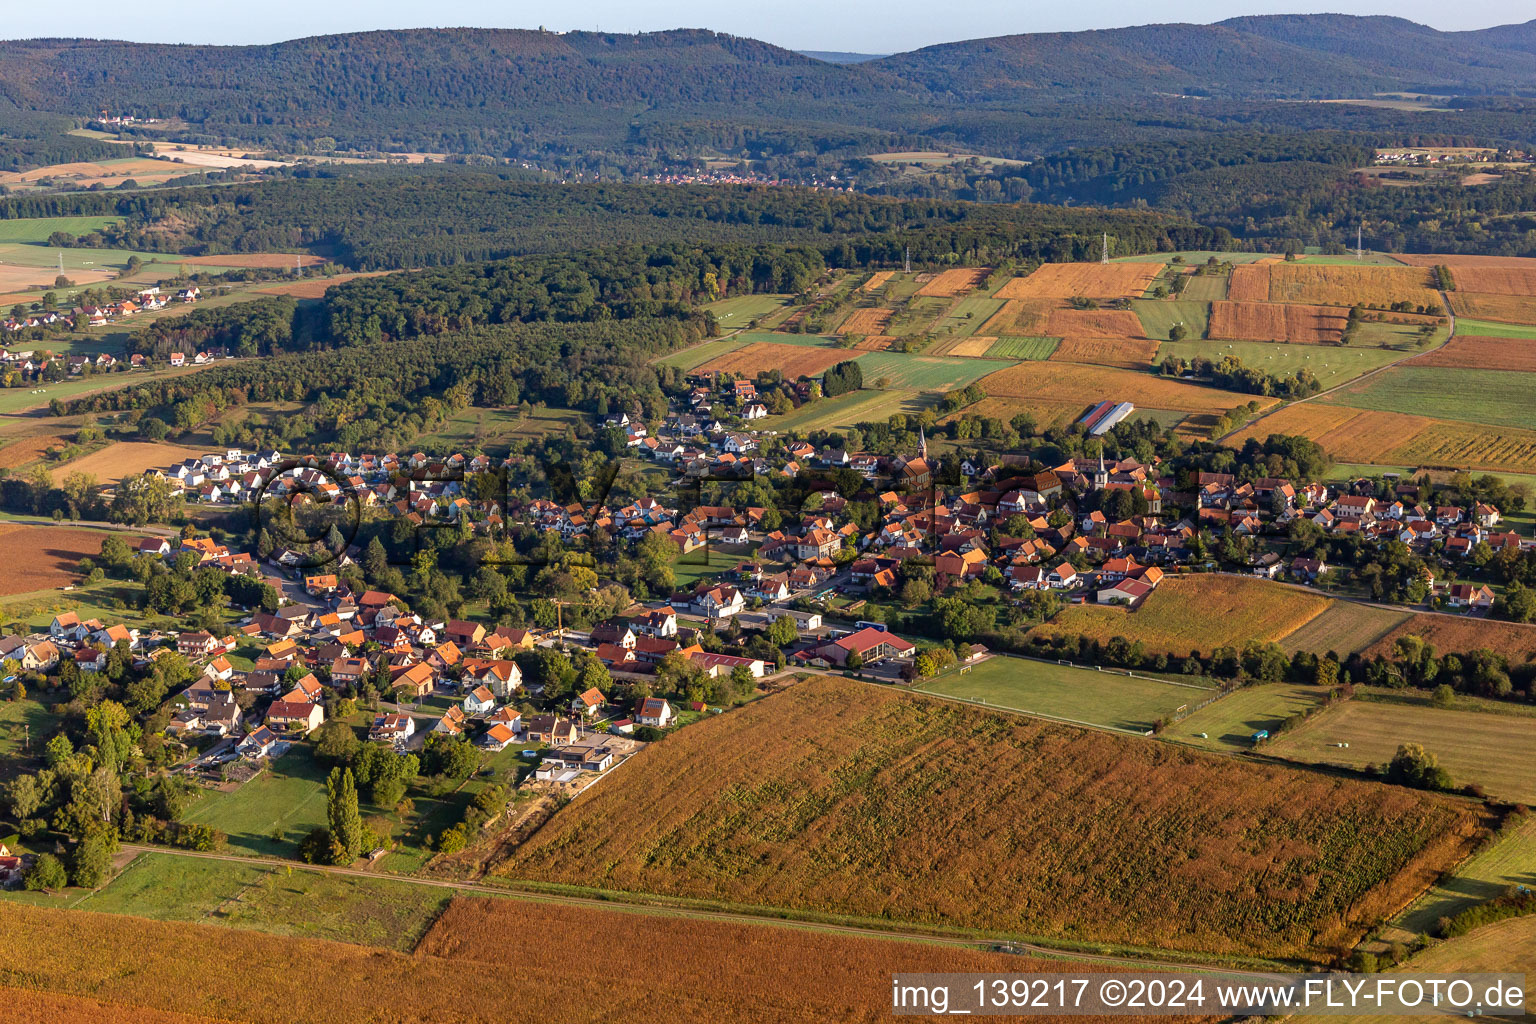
x: 1229, y: 723
x: 1077, y: 694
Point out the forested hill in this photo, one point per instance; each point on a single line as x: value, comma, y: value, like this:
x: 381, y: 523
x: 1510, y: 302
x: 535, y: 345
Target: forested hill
x: 517, y: 92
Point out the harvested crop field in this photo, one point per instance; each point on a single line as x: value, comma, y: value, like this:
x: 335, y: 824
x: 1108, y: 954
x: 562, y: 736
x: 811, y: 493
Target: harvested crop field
x: 28, y: 449
x: 15, y: 278
x: 1088, y: 280
x: 1249, y: 283
x: 1455, y: 262
x: 876, y: 280
x: 1497, y: 280
x: 257, y: 260
x: 54, y: 1008
x: 1021, y: 317
x: 1469, y: 446
x: 1454, y: 634
x: 692, y: 970
x: 1513, y: 309
x: 1265, y: 321
x: 1093, y: 323
x: 1129, y: 353
x: 1069, y: 384
x: 1308, y: 419
x: 314, y: 287
x: 836, y: 797
x: 45, y: 557
x: 972, y: 347
x: 1482, y: 354
x: 1496, y: 752
x: 1323, y: 285
x: 760, y: 356
x: 866, y: 321
x: 954, y: 283
x: 1345, y: 628
x: 1202, y: 612
x: 127, y: 458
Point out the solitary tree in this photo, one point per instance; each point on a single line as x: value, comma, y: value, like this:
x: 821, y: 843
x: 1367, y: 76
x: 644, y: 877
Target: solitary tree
x: 346, y: 822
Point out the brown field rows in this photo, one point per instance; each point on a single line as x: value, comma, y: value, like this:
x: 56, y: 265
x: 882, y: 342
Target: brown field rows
x: 44, y: 557
x: 259, y: 260
x: 877, y: 280
x: 709, y: 965
x: 1514, y: 309
x: 28, y: 449
x: 1188, y: 613
x: 839, y: 797
x: 1020, y: 318
x: 793, y: 360
x: 954, y: 283
x: 1452, y: 634
x: 1265, y: 321
x: 1324, y: 285
x: 1250, y: 283
x: 1129, y: 353
x: 867, y: 321
x: 1469, y: 446
x: 1065, y: 384
x: 122, y: 459
x: 1094, y: 323
x: 874, y: 343
x: 1482, y: 354
x: 1089, y: 280
x: 1308, y: 419
x: 655, y: 969
x: 1497, y: 280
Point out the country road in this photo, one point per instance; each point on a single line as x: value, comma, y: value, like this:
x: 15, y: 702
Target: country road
x: 1409, y: 357
x: 642, y: 904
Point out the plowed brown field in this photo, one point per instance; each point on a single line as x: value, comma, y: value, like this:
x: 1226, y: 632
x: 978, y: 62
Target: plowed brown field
x: 1498, y: 280
x: 1250, y: 283
x: 1067, y: 384
x: 1454, y: 635
x: 1020, y: 318
x: 45, y: 557
x: 1094, y: 323
x: 259, y: 260
x: 1130, y: 353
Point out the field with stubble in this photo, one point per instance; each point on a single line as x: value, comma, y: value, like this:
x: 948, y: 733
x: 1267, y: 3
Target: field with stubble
x: 1202, y: 612
x: 1088, y: 280
x: 837, y: 797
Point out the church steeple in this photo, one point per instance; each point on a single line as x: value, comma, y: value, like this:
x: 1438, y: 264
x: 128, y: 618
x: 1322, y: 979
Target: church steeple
x: 922, y: 444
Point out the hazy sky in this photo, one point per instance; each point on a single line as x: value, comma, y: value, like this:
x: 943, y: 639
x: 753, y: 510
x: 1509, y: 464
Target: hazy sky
x: 858, y: 25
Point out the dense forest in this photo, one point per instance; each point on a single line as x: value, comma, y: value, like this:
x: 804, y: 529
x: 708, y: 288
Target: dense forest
x: 423, y: 218
x: 29, y: 140
x: 544, y: 95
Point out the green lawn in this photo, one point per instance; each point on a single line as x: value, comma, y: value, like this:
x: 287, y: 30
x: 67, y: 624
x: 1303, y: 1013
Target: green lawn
x: 494, y: 428
x: 282, y: 901
x: 969, y: 314
x: 698, y: 355
x: 90, y: 602
x: 922, y: 373
x: 850, y: 409
x: 1204, y: 288
x: 1403, y: 337
x: 692, y: 567
x: 1498, y: 397
x: 1509, y: 860
x: 37, y: 229
x: 1158, y: 316
x: 1331, y: 366
x: 1489, y: 329
x: 16, y: 717
x: 14, y: 400
x: 741, y: 309
x: 1194, y: 256
x: 1229, y: 723
x: 1023, y: 348
x: 1077, y: 694
x: 289, y: 795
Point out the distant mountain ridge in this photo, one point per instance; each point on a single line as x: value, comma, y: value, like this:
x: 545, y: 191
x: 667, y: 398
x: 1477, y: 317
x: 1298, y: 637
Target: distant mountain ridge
x: 511, y: 92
